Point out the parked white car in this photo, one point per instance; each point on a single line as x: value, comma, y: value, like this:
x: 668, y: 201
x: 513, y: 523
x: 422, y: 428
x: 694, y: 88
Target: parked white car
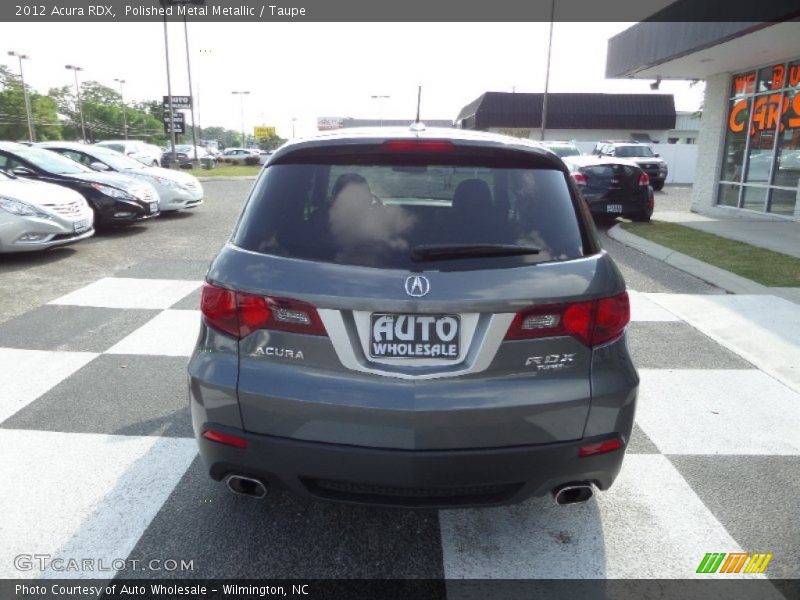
x: 35, y: 215
x: 238, y: 155
x: 147, y: 154
x: 176, y: 189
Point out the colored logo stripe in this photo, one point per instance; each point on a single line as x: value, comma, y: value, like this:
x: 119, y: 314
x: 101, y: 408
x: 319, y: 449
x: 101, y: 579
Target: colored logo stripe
x: 758, y: 563
x: 713, y: 562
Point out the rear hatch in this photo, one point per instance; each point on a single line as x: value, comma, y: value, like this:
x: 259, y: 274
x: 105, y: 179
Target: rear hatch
x: 610, y: 180
x: 415, y: 298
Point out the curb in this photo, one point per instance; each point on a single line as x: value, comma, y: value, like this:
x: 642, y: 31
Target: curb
x: 721, y: 278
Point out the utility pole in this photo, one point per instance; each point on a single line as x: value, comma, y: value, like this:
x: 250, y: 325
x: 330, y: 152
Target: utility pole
x: 174, y: 160
x: 75, y: 70
x: 547, y: 73
x: 380, y: 97
x: 121, y: 82
x: 191, y: 94
x: 241, y: 106
x: 28, y: 111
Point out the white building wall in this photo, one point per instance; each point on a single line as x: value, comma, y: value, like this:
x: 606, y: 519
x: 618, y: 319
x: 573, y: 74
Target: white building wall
x: 711, y: 141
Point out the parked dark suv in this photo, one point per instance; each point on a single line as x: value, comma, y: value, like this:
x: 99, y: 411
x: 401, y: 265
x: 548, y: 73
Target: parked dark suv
x: 414, y: 318
x: 643, y: 155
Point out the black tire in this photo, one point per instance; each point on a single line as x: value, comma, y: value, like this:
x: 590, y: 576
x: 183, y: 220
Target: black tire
x: 658, y: 186
x: 641, y: 218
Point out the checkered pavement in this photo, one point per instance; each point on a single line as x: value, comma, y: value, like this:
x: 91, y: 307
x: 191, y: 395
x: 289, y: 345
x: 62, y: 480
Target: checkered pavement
x: 98, y: 458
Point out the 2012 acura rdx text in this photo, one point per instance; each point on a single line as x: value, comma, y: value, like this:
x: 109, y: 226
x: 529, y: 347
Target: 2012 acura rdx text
x: 414, y: 318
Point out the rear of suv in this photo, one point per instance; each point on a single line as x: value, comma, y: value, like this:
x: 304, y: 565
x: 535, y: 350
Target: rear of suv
x: 414, y: 318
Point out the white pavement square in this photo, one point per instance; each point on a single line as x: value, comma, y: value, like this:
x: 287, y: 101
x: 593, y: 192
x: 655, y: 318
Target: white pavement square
x: 650, y: 524
x: 27, y: 374
x: 120, y: 292
x: 735, y: 412
x: 170, y: 333
x: 92, y: 495
x: 644, y: 309
x: 764, y: 330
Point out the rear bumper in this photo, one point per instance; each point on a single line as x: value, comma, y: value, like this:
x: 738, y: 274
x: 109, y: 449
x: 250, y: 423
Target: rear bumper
x: 632, y: 206
x: 408, y: 478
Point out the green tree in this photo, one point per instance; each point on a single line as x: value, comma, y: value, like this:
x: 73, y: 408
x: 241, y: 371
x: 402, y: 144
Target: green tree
x: 102, y: 114
x: 13, y: 117
x: 270, y: 143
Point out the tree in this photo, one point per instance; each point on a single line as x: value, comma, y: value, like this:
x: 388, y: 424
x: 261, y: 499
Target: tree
x: 102, y: 114
x: 271, y: 142
x: 13, y: 117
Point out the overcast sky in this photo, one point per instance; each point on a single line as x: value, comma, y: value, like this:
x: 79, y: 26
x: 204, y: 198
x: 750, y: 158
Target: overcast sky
x: 310, y: 70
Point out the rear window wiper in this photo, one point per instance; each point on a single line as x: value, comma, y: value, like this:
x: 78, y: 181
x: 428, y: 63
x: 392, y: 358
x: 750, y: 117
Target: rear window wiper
x: 448, y: 251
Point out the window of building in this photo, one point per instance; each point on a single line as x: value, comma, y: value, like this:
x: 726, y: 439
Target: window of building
x: 761, y: 162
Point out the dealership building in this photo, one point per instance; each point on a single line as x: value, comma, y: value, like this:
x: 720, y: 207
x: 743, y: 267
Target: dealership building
x: 749, y: 138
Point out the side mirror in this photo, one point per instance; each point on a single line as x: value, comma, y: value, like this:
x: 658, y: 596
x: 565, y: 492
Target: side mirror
x: 657, y: 155
x: 24, y: 172
x: 98, y: 166
x: 131, y: 153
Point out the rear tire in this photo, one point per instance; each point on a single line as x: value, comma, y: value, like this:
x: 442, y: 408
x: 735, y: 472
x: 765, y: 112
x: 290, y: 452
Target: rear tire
x: 641, y: 218
x: 658, y: 186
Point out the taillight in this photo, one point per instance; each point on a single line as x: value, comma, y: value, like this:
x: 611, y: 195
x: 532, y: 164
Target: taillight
x: 239, y: 314
x: 580, y: 178
x: 644, y: 179
x: 593, y: 323
x: 418, y: 146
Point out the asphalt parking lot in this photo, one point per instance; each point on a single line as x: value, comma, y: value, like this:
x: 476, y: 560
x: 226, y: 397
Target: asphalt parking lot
x: 93, y: 346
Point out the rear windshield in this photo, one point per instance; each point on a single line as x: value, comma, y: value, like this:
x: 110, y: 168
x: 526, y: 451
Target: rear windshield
x: 375, y: 215
x: 633, y: 151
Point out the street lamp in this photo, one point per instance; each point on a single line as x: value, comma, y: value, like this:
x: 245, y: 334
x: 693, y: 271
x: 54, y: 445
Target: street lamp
x: 121, y: 82
x: 75, y: 70
x: 380, y: 97
x: 189, y: 71
x: 22, y: 57
x: 547, y: 73
x: 241, y: 95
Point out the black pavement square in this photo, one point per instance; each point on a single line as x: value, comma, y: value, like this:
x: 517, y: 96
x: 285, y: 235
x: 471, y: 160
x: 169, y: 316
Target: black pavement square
x: 115, y: 395
x: 72, y: 328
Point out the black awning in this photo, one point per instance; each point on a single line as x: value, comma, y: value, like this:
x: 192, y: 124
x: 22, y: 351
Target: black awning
x: 570, y: 111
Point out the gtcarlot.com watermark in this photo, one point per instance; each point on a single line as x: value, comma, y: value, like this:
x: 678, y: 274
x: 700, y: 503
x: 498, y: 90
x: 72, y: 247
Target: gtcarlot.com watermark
x: 48, y: 562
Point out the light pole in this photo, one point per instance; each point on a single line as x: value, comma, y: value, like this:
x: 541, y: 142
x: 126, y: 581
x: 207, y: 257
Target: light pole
x: 241, y: 95
x: 121, y: 82
x: 75, y: 70
x: 189, y: 70
x: 28, y: 113
x: 379, y: 97
x: 547, y: 73
x: 173, y: 163
x: 293, y: 122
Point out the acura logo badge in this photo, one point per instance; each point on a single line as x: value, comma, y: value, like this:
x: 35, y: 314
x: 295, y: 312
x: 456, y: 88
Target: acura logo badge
x: 417, y: 286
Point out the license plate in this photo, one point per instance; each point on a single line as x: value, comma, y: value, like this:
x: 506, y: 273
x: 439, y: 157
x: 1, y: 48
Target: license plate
x: 153, y: 207
x: 614, y: 208
x: 81, y: 225
x: 415, y: 336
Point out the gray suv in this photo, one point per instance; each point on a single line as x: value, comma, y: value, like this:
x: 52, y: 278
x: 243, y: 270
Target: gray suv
x: 414, y: 318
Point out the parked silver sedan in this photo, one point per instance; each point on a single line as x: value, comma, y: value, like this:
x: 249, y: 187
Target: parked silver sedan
x: 177, y: 190
x: 35, y: 215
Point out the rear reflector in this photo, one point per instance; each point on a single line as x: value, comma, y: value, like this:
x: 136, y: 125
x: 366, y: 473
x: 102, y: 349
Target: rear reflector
x: 239, y: 314
x: 599, y: 448
x: 225, y: 438
x: 418, y: 146
x: 592, y: 323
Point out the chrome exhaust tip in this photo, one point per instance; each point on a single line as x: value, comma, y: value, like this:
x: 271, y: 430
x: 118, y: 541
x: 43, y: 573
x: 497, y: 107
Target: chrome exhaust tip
x: 246, y: 486
x: 573, y: 493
